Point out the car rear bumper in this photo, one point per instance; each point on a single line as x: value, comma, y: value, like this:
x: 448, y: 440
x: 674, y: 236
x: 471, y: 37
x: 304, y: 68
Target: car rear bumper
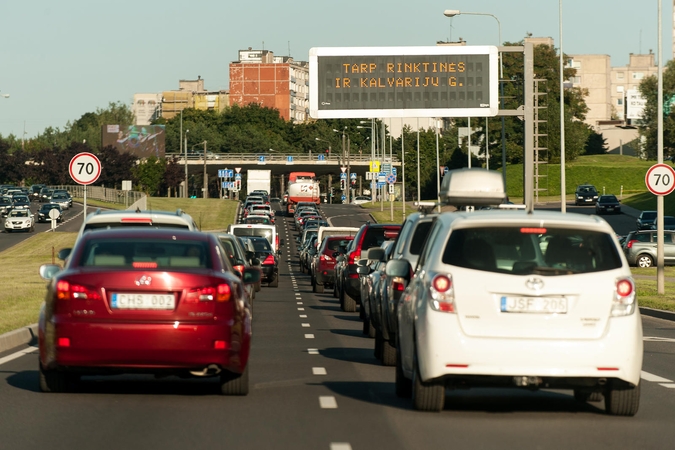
x: 325, y: 276
x: 269, y: 273
x: 444, y: 351
x: 144, y: 346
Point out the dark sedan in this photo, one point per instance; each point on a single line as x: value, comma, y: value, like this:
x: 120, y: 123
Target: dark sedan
x: 585, y: 194
x: 608, y: 204
x: 43, y: 212
x: 156, y: 301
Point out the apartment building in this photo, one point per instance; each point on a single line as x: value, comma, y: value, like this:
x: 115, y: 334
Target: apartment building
x: 146, y: 108
x: 192, y: 94
x: 626, y: 80
x: 278, y: 82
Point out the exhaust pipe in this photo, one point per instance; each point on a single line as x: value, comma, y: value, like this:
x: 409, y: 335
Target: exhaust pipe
x: 527, y: 381
x: 210, y: 370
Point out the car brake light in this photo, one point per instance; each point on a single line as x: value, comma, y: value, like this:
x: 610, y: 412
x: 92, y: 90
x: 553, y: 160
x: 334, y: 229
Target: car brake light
x: 144, y: 265
x: 353, y: 256
x: 630, y: 243
x: 276, y: 241
x: 269, y: 260
x: 63, y: 342
x: 137, y: 220
x: 220, y: 345
x: 220, y: 293
x: 398, y: 284
x: 623, y: 303
x: 68, y: 291
x: 442, y: 294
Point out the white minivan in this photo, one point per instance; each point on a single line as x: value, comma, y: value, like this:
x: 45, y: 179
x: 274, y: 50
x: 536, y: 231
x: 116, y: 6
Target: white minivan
x: 266, y: 231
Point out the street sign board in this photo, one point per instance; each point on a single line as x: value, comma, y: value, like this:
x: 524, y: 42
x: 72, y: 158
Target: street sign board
x: 391, y: 179
x: 343, y: 169
x: 221, y: 173
x: 382, y: 177
x: 393, y: 170
x: 237, y: 176
x: 660, y: 179
x: 344, y: 198
x: 84, y: 168
x: 126, y: 185
x: 379, y: 82
x: 386, y: 167
x: 54, y: 213
x: 374, y: 166
x: 261, y: 159
x: 391, y: 189
x: 289, y: 160
x: 343, y: 176
x: 321, y: 157
x: 237, y: 169
x: 352, y: 176
x: 380, y: 185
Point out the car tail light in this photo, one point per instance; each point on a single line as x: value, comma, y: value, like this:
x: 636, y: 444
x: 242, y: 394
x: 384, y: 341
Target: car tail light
x: 269, y: 260
x: 239, y: 269
x: 630, y: 243
x: 442, y: 294
x: 325, y: 258
x: 398, y: 284
x: 353, y: 256
x: 144, y: 265
x: 68, y: 291
x: 623, y: 303
x: 63, y: 342
x: 276, y: 241
x: 220, y: 345
x: 220, y: 293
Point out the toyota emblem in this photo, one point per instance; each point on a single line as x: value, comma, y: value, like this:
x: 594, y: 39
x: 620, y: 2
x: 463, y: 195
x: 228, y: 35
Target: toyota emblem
x: 534, y: 283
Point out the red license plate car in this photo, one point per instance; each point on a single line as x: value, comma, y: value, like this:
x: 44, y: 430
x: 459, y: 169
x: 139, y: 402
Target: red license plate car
x: 152, y: 301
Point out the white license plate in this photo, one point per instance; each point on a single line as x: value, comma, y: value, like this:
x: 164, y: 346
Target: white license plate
x: 535, y: 305
x: 143, y: 301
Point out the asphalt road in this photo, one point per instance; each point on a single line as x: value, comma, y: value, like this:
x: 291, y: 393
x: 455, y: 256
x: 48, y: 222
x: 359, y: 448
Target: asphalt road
x: 315, y: 384
x: 72, y: 220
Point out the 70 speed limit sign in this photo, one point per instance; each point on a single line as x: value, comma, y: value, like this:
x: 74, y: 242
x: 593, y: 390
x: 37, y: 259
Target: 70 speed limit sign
x: 660, y: 179
x: 85, y: 168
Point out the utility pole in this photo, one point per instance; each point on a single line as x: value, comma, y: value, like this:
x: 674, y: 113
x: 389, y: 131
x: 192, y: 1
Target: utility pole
x: 206, y: 180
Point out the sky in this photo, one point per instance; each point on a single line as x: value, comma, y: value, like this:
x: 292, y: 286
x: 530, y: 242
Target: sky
x: 60, y: 60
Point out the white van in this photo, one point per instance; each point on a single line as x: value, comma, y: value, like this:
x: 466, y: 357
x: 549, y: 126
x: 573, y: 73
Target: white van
x: 266, y: 231
x: 335, y: 231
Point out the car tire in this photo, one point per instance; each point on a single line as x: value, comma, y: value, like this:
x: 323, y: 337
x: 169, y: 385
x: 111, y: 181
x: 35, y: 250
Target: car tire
x: 622, y: 400
x: 318, y: 288
x: 403, y: 385
x: 366, y: 326
x: 275, y: 282
x: 644, y: 260
x: 53, y: 381
x: 372, y: 333
x: 234, y: 383
x: 427, y: 396
x: 388, y: 353
x: 335, y: 290
x: 347, y: 303
x: 378, y: 347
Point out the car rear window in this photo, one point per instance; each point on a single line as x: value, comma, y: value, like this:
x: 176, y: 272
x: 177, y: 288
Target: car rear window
x: 334, y: 244
x: 108, y: 225
x: 648, y: 215
x: 261, y: 245
x: 145, y: 254
x: 376, y: 236
x: 521, y: 250
x: 260, y: 220
x: 261, y: 232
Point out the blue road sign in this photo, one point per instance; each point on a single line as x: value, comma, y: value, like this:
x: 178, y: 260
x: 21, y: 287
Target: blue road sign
x: 321, y: 158
x: 289, y: 159
x: 391, y: 179
x: 393, y: 170
x: 445, y: 170
x: 380, y: 185
x: 352, y: 176
x: 343, y: 176
x: 344, y: 198
x: 229, y: 173
x: 237, y: 176
x: 221, y: 173
x: 261, y: 159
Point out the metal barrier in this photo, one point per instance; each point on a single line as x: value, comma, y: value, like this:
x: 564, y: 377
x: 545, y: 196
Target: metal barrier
x: 104, y: 194
x: 270, y: 157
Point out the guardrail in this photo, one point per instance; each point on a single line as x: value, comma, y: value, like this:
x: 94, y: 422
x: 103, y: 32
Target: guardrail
x: 254, y: 157
x: 103, y: 194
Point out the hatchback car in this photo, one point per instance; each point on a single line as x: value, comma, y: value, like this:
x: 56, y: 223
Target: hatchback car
x: 608, y: 204
x: 43, y: 212
x: 323, y: 262
x: 645, y: 220
x: 489, y: 306
x: 125, y: 295
x: 21, y: 202
x: 640, y: 248
x: 5, y: 205
x: 146, y: 219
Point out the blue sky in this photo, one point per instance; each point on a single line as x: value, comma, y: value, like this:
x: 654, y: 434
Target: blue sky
x: 59, y: 60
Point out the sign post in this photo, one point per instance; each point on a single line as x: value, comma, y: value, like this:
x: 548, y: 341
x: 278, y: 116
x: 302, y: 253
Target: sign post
x: 660, y: 180
x: 84, y: 168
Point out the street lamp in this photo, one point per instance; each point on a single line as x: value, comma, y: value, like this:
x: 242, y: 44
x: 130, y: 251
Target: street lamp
x: 345, y: 150
x: 330, y: 149
x: 372, y: 154
x: 456, y: 12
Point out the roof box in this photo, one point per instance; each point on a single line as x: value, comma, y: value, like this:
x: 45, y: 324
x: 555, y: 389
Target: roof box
x: 472, y: 187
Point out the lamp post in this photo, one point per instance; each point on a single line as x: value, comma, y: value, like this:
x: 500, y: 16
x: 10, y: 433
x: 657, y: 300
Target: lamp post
x: 660, y: 274
x: 456, y: 12
x: 180, y: 143
x: 372, y: 154
x: 563, y: 188
x: 345, y: 151
x: 206, y: 181
x: 186, y: 164
x: 330, y: 149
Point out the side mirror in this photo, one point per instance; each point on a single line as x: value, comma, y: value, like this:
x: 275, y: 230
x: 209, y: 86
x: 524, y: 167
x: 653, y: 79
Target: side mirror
x: 64, y: 253
x: 47, y: 271
x: 251, y: 275
x: 376, y: 254
x: 398, y: 268
x: 255, y: 262
x: 363, y: 270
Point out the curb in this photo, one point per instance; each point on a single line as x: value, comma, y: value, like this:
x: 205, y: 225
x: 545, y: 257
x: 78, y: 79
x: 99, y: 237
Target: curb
x: 17, y: 338
x: 658, y: 313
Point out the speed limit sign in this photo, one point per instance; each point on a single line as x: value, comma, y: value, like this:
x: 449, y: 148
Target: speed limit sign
x: 660, y: 179
x: 85, y: 168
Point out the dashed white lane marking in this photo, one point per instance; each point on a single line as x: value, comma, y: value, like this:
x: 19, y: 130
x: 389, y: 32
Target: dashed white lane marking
x: 18, y: 354
x: 340, y: 446
x: 301, y: 309
x: 309, y: 336
x: 328, y: 402
x: 667, y: 385
x: 319, y: 371
x: 303, y: 316
x: 305, y: 325
x: 313, y: 351
x: 653, y: 378
x: 299, y: 303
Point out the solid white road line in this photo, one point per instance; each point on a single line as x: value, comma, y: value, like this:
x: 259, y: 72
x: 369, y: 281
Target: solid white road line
x: 328, y: 402
x: 340, y: 446
x: 319, y: 371
x: 309, y: 336
x: 653, y: 378
x: 667, y: 385
x: 18, y: 354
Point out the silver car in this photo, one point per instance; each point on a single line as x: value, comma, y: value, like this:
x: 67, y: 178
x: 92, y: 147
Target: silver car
x: 640, y: 248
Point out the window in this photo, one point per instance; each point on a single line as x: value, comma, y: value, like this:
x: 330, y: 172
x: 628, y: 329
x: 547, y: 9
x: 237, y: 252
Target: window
x: 619, y: 101
x: 619, y: 76
x: 638, y: 75
x: 619, y: 89
x: 575, y: 80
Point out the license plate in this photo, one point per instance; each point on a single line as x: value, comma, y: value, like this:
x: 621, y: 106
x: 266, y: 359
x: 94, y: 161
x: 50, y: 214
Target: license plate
x: 589, y: 199
x: 143, y: 301
x: 534, y: 305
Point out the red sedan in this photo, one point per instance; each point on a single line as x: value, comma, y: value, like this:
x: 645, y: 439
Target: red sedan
x: 155, y: 301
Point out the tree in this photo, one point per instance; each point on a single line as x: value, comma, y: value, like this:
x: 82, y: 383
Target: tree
x: 150, y: 174
x: 596, y: 144
x: 115, y: 166
x: 174, y: 174
x: 648, y: 126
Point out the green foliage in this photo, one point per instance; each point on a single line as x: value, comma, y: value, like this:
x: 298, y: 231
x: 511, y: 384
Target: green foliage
x: 150, y: 174
x: 596, y: 144
x: 649, y: 124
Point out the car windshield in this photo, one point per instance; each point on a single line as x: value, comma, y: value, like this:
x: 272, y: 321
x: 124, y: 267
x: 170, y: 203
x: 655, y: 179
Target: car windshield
x: 19, y: 213
x: 261, y: 220
x: 523, y: 251
x: 131, y: 253
x: 650, y: 215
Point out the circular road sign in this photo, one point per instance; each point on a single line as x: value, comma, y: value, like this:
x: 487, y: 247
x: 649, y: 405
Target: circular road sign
x: 54, y: 213
x: 85, y: 168
x: 660, y: 179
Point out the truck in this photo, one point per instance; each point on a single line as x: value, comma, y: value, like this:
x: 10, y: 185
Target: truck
x: 302, y: 187
x: 258, y: 180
